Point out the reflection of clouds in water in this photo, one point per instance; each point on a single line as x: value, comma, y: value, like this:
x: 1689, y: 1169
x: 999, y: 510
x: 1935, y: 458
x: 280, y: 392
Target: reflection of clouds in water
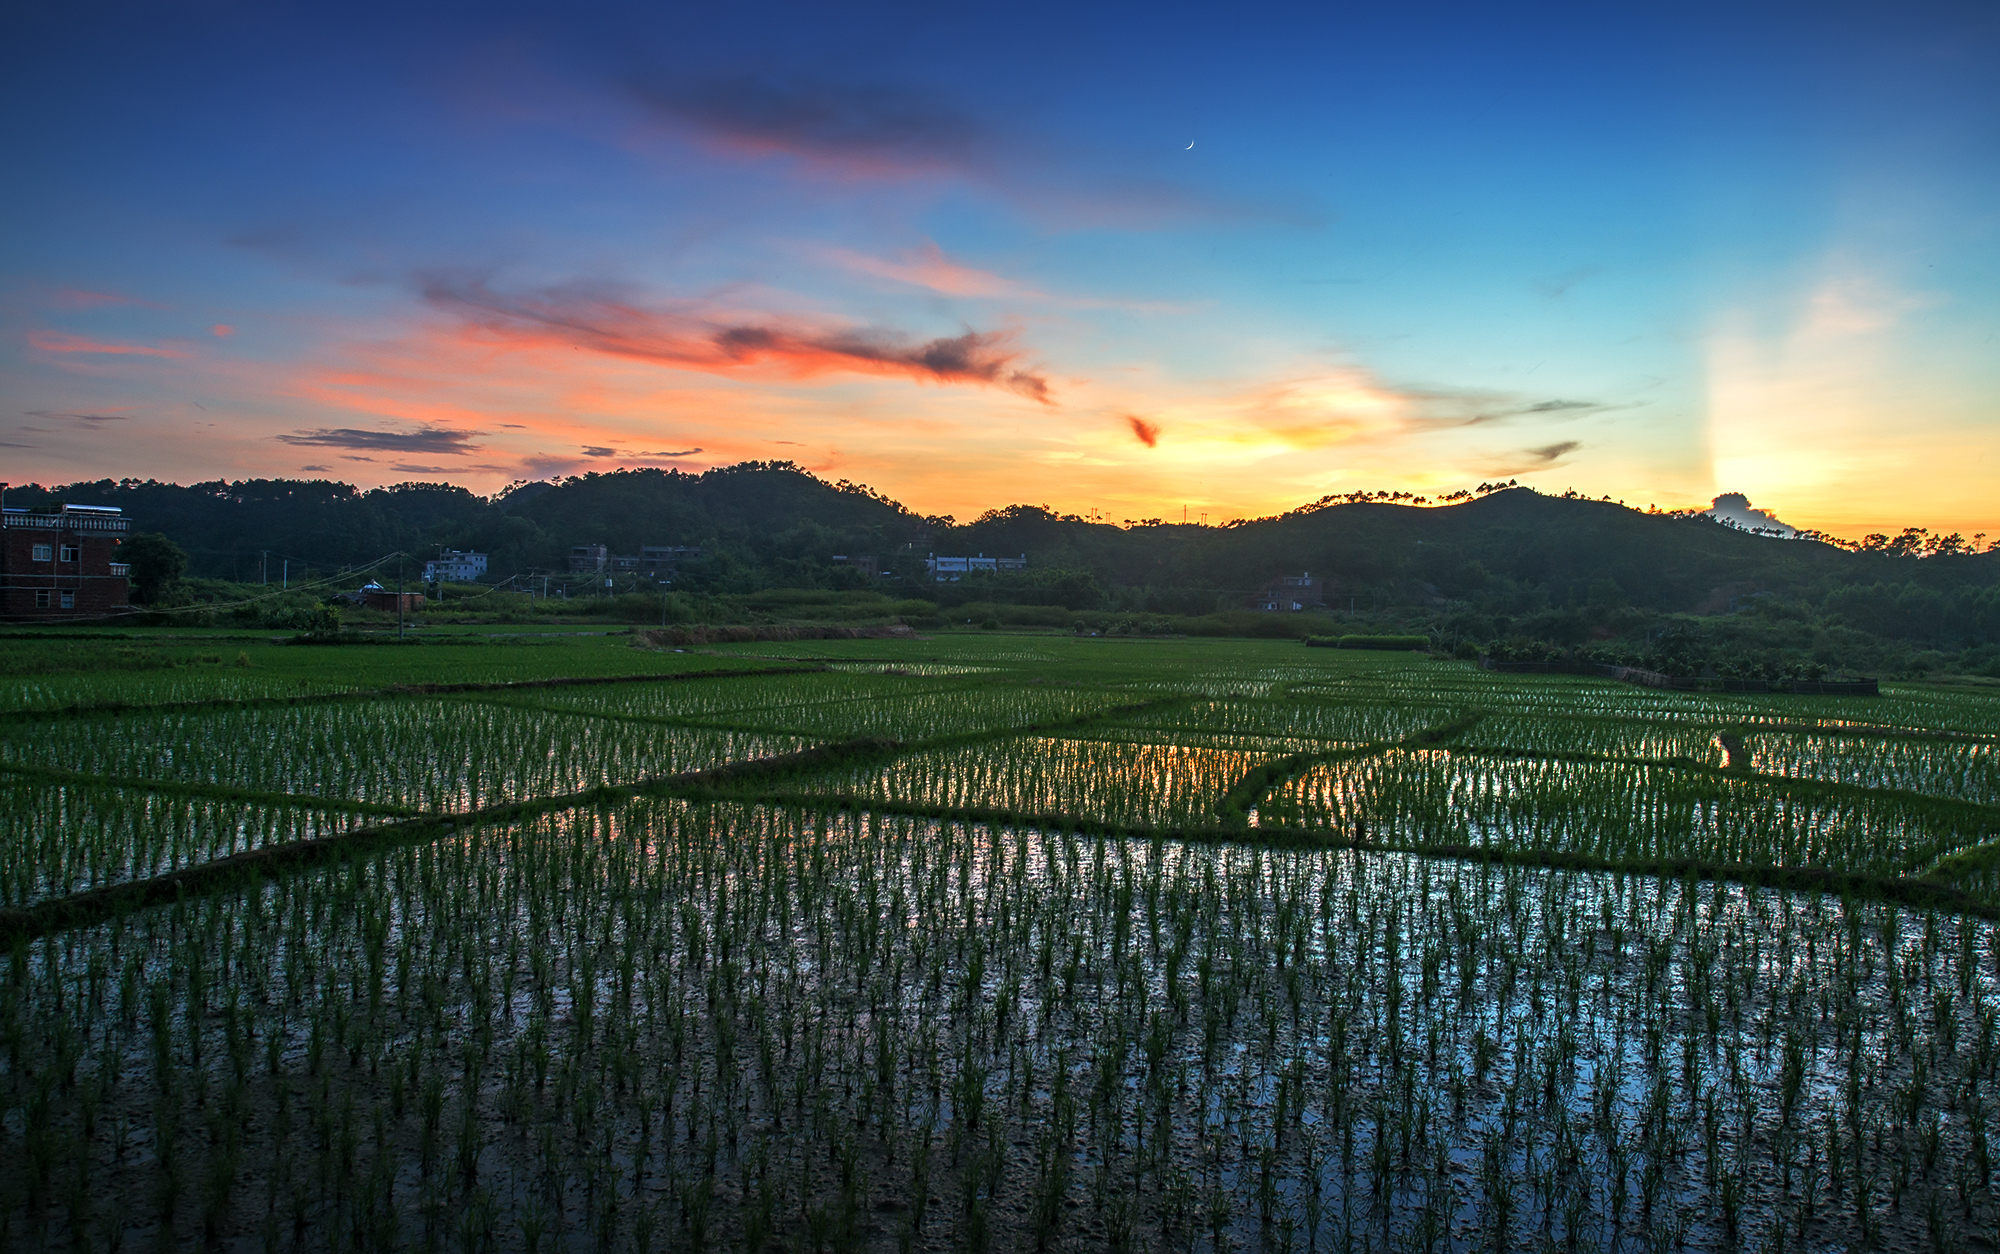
x: 1611, y: 810
x: 1108, y: 781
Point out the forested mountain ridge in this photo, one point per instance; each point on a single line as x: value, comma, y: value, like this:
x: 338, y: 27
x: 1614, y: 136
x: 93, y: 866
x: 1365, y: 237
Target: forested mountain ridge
x: 770, y: 524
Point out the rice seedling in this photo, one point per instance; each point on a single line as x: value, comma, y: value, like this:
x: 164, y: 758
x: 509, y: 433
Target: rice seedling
x: 430, y: 754
x: 714, y: 1023
x: 1047, y: 943
x: 1623, y: 811
x: 70, y: 839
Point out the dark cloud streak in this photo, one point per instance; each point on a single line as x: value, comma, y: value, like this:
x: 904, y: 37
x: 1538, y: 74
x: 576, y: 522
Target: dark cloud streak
x: 90, y: 418
x: 422, y: 440
x: 887, y: 130
x: 883, y: 127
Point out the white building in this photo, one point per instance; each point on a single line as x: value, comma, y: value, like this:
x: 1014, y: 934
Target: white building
x: 454, y: 565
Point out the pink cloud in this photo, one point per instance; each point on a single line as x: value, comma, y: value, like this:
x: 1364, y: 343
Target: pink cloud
x: 928, y: 267
x: 606, y: 321
x: 63, y: 342
x: 223, y: 330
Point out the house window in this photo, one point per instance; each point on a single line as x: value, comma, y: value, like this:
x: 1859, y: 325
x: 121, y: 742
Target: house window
x: 69, y: 552
x: 69, y: 600
x: 44, y: 553
x: 41, y: 598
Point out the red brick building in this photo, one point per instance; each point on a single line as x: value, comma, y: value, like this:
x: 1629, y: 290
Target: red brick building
x: 375, y: 597
x: 62, y: 564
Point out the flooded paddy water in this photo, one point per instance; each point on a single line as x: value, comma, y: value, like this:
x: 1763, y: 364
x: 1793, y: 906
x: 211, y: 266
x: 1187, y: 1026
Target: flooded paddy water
x: 1243, y: 952
x: 733, y: 1025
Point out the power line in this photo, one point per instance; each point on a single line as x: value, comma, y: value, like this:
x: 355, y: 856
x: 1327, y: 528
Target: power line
x: 342, y: 577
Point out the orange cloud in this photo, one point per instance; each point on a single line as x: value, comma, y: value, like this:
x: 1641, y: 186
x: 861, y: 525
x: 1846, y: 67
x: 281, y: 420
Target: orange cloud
x: 63, y: 342
x: 1832, y: 400
x: 1148, y: 433
x: 598, y: 319
x: 1334, y: 408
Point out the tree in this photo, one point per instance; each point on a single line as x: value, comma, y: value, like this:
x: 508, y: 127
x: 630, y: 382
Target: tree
x: 157, y: 564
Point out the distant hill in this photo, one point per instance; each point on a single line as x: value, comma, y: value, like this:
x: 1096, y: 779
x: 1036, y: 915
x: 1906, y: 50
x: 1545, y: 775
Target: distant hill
x: 1511, y: 545
x: 771, y: 524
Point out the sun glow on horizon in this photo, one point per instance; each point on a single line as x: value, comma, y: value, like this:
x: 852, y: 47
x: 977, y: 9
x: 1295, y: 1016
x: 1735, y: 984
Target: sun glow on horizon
x: 975, y: 278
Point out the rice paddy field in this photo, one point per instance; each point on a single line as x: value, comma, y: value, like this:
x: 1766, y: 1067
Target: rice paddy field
x: 986, y: 942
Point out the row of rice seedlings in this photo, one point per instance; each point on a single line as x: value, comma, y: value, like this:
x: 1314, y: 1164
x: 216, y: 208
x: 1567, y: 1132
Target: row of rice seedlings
x: 1564, y: 695
x: 860, y: 656
x: 1247, y: 682
x: 163, y: 687
x: 1910, y: 705
x: 690, y: 1029
x: 733, y: 697
x: 1964, y: 770
x: 1460, y: 684
x: 1608, y: 737
x: 1615, y: 811
x: 1194, y: 738
x: 428, y: 753
x: 871, y: 706
x: 229, y: 674
x: 1136, y: 784
x: 1529, y: 695
x: 57, y: 839
x: 1303, y: 722
x: 924, y: 670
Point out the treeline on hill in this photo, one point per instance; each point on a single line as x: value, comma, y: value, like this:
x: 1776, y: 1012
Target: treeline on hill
x: 1508, y: 569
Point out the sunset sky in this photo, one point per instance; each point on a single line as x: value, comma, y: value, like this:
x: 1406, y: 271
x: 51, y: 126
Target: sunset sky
x: 1136, y: 259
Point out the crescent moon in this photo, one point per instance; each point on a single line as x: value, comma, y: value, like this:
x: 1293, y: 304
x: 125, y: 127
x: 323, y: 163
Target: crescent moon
x: 1190, y: 146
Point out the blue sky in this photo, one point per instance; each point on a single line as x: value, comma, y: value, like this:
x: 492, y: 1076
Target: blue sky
x: 969, y: 256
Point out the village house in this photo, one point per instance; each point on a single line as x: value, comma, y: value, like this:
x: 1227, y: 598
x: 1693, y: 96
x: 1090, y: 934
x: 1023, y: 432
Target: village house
x: 661, y: 560
x: 455, y: 565
x: 953, y: 569
x: 63, y: 562
x: 1292, y: 594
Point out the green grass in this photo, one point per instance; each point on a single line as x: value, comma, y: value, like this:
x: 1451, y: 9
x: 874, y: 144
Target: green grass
x: 163, y: 667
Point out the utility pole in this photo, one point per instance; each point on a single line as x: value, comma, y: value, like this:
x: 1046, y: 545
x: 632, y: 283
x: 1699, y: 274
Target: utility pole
x: 264, y: 569
x: 399, y: 596
x: 285, y: 574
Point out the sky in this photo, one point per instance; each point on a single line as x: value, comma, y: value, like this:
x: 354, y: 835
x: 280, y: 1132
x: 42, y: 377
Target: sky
x: 1131, y: 261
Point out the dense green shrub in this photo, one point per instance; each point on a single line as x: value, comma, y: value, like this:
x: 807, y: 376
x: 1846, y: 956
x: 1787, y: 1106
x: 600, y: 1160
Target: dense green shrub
x: 1369, y: 642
